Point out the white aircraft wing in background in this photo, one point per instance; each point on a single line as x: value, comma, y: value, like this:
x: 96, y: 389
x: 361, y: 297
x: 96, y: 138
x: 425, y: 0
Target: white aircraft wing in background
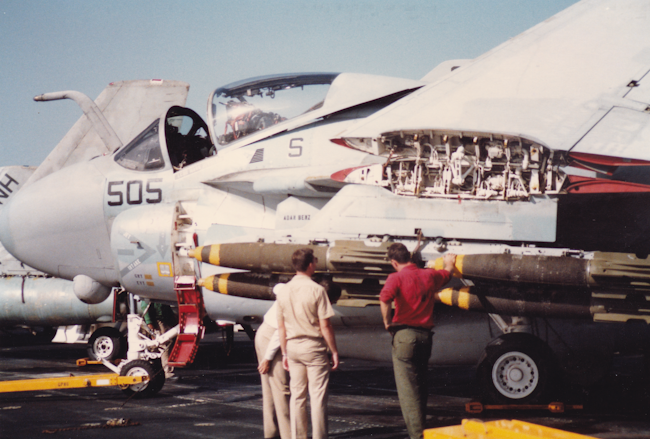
x: 578, y: 81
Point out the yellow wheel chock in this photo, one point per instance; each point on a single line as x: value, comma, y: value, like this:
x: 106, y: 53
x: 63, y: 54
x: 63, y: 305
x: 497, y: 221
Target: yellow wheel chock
x: 503, y: 429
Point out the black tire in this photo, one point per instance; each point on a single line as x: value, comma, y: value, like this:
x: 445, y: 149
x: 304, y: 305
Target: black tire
x: 106, y: 344
x: 141, y: 367
x: 516, y: 368
x: 159, y: 377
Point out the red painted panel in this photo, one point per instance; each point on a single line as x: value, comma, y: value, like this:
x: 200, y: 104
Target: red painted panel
x: 586, y: 185
x: 191, y: 312
x: 607, y: 160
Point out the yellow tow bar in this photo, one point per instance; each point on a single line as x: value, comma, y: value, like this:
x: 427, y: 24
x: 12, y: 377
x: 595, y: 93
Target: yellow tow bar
x: 71, y: 382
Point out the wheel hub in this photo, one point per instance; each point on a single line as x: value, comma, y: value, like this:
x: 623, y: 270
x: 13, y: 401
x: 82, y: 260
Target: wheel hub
x: 103, y: 347
x: 515, y: 375
x: 138, y: 371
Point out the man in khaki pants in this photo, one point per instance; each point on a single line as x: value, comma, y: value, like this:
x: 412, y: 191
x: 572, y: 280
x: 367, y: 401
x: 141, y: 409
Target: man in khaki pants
x: 306, y: 333
x: 414, y: 291
x: 275, y: 380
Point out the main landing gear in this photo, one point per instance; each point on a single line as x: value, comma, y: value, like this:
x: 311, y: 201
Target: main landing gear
x: 516, y: 368
x: 106, y: 343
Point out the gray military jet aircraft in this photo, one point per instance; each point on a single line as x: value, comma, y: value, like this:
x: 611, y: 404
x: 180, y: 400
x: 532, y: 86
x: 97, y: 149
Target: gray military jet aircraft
x: 528, y: 160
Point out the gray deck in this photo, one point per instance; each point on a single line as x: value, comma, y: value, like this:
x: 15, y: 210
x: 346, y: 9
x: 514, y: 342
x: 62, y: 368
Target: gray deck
x: 219, y: 396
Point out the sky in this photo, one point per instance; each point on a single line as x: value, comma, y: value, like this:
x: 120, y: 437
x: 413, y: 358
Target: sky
x: 83, y: 45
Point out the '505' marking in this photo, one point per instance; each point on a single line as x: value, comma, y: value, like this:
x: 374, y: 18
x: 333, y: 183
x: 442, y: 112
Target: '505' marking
x: 133, y: 192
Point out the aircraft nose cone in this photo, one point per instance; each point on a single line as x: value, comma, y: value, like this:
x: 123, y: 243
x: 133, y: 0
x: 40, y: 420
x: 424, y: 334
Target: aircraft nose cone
x: 5, y: 232
x: 56, y: 225
x: 10, y: 235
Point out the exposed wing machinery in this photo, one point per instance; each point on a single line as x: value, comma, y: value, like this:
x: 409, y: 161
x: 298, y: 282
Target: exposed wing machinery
x: 461, y: 165
x: 468, y: 165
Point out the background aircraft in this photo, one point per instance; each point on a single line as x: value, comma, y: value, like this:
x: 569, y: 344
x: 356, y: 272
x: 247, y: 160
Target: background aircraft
x: 507, y: 159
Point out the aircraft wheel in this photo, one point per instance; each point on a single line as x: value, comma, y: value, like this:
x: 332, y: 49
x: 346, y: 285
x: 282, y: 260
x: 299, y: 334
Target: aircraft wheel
x: 516, y: 368
x: 140, y: 368
x: 106, y: 344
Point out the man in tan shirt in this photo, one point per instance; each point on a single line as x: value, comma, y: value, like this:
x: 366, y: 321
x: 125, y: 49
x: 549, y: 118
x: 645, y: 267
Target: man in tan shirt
x: 305, y: 331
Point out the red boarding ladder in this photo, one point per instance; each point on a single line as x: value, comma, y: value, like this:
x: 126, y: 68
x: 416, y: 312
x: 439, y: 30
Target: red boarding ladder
x: 191, y: 311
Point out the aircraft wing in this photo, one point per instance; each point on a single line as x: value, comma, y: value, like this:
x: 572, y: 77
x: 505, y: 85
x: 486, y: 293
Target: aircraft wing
x: 578, y: 81
x: 443, y: 69
x: 129, y: 107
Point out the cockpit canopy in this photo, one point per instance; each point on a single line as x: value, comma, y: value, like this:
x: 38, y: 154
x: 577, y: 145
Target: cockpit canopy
x: 248, y: 106
x: 185, y: 138
x: 142, y: 153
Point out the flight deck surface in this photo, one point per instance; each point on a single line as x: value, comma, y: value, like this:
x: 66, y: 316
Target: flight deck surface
x: 220, y: 396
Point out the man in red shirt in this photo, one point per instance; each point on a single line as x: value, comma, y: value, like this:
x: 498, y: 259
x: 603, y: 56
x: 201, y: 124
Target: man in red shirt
x: 414, y: 291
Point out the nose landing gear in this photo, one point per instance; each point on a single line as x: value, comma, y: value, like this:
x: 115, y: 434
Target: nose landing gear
x: 145, y: 352
x: 152, y: 369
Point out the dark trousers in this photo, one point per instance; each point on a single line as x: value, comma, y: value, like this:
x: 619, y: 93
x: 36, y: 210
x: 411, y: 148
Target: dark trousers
x: 411, y: 352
